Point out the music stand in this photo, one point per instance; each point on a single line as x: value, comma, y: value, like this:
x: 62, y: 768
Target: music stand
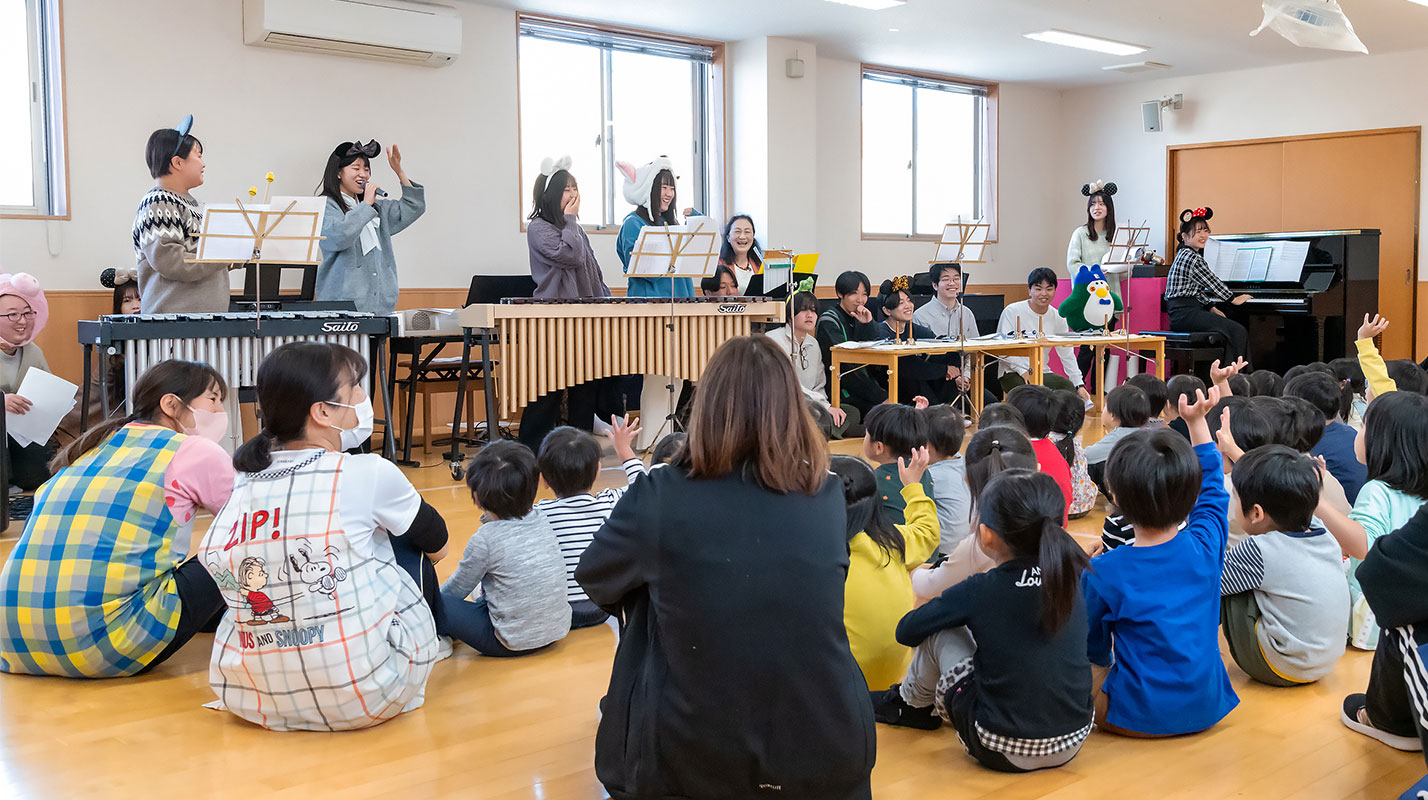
x: 286, y: 231
x: 673, y: 251
x: 1127, y: 241
x: 963, y: 242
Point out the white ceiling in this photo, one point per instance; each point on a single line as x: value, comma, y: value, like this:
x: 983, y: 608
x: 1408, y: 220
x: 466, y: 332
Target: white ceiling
x: 983, y: 38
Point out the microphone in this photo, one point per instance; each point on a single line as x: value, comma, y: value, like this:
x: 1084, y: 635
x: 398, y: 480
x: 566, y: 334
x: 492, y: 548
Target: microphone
x: 380, y: 191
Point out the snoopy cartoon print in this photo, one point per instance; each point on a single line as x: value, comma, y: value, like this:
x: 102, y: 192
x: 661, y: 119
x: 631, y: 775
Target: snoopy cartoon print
x: 320, y: 576
x: 252, y: 577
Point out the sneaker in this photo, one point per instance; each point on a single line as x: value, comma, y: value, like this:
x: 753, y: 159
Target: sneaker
x: 1352, y: 716
x: 890, y: 709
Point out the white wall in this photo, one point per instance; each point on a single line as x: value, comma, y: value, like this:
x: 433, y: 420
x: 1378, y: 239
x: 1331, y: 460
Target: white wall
x: 259, y: 109
x: 1104, y: 137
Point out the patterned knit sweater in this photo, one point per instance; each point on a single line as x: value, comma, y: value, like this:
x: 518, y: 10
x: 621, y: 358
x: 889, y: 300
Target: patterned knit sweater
x: 166, y: 228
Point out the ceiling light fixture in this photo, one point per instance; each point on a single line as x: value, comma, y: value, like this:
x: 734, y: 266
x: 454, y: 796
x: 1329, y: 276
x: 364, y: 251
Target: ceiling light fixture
x: 871, y: 5
x: 1141, y: 66
x: 1084, y: 42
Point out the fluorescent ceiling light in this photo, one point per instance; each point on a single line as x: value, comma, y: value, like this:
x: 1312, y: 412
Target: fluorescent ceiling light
x: 877, y: 5
x: 1141, y: 66
x: 1068, y: 39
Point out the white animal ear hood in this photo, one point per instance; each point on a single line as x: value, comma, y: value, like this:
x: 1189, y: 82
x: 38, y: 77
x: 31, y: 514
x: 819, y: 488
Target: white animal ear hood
x: 640, y: 182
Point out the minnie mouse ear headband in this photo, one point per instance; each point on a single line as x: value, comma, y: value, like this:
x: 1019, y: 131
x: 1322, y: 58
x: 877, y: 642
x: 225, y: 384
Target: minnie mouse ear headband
x: 24, y: 286
x: 347, y: 152
x: 550, y: 166
x: 640, y: 182
x: 1104, y: 187
x: 1191, y: 214
x: 114, y: 278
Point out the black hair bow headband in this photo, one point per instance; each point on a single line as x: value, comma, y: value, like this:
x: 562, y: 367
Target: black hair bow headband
x: 371, y: 149
x: 1105, y: 187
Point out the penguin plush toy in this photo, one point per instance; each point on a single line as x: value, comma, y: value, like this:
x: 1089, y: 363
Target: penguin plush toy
x: 1091, y: 304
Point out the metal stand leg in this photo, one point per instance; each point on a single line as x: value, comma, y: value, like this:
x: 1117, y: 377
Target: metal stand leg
x: 389, y: 447
x: 453, y: 456
x: 84, y: 393
x: 488, y: 387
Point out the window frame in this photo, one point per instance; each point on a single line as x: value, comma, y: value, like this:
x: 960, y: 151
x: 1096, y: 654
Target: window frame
x: 707, y: 184
x: 49, y: 118
x: 986, y: 173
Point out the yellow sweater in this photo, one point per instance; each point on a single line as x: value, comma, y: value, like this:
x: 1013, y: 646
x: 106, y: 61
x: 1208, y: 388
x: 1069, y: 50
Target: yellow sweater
x: 1375, y: 371
x: 879, y: 591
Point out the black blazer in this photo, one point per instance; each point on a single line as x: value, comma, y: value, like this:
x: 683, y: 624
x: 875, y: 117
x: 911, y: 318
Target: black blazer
x: 733, y: 678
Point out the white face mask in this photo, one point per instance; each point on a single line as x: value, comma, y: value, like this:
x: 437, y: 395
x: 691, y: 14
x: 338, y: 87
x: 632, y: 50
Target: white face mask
x: 353, y: 438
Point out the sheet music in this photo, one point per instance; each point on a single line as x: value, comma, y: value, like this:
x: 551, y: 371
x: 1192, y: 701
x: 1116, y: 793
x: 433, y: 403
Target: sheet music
x: 1261, y: 261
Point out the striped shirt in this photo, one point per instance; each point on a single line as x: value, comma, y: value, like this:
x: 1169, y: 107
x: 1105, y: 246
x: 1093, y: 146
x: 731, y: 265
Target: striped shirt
x: 575, y: 520
x: 1190, y: 276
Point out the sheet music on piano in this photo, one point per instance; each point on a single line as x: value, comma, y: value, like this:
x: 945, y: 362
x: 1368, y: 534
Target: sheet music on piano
x: 1257, y: 261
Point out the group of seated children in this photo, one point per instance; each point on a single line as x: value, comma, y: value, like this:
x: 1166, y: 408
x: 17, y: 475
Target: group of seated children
x: 964, y: 593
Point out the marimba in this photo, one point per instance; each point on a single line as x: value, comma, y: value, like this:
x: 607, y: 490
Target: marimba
x: 233, y: 343
x: 549, y: 345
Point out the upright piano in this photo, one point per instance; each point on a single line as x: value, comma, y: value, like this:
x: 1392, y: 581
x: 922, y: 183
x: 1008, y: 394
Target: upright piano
x: 1314, y: 316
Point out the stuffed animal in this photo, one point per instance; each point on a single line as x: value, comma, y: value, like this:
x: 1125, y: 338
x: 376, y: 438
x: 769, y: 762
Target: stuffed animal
x: 1145, y: 255
x: 1091, y: 304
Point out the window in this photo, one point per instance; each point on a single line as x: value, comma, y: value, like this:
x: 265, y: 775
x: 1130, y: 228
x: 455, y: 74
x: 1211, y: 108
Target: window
x: 602, y: 97
x: 31, y: 124
x: 927, y: 155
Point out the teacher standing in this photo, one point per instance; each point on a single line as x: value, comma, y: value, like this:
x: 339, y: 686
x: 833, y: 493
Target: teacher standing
x: 733, y: 676
x: 358, y: 263
x: 1089, y: 246
x: 563, y: 267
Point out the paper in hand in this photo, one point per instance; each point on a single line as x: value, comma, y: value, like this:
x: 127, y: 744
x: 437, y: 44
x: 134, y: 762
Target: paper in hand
x: 51, y: 397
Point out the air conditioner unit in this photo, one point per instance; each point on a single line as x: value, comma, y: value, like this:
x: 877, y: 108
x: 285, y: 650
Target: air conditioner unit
x: 389, y: 30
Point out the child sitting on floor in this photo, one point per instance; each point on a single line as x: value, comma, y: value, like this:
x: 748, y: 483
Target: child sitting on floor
x: 1394, y: 577
x: 569, y: 462
x: 1127, y: 411
x: 1265, y: 383
x: 1348, y: 371
x: 514, y: 557
x: 893, y: 431
x: 1023, y: 701
x: 1038, y: 407
x: 666, y: 449
x: 878, y: 590
x: 946, y: 426
x: 1157, y: 602
x: 1285, y: 603
x: 1332, y: 399
x: 1178, y: 388
x: 1156, y: 393
x: 1066, y: 433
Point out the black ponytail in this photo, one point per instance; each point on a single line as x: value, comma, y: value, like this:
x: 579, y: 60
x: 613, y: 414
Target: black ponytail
x: 992, y: 450
x: 290, y: 380
x: 865, y: 508
x: 1024, y: 509
x: 186, y: 380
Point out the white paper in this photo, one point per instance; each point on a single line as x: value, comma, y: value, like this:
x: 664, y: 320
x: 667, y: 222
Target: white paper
x: 951, y: 248
x: 50, y: 397
x: 1258, y: 261
x: 694, y: 248
x: 227, y: 235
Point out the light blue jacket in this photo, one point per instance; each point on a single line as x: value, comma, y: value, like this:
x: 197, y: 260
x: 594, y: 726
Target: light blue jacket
x: 367, y: 279
x: 646, y: 287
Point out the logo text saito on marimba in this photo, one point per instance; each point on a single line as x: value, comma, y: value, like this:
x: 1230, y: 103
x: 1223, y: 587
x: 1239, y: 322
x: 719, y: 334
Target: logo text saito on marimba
x: 732, y: 308
x: 339, y: 327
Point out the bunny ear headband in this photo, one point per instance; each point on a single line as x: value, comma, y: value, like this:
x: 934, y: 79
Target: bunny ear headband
x: 1109, y: 189
x: 114, y: 278
x: 1198, y: 213
x: 550, y: 166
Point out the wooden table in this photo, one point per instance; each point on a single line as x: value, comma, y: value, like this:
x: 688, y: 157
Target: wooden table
x: 975, y: 352
x: 1130, y: 345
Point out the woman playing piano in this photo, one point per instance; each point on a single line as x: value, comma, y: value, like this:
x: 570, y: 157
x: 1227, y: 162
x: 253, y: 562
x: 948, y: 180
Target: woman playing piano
x: 1192, y: 290
x: 564, y: 268
x: 357, y: 259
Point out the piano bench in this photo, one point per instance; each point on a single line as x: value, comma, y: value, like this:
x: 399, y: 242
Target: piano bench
x: 1191, y: 353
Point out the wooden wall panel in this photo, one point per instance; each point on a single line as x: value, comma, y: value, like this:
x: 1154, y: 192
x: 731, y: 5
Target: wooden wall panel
x: 1351, y: 179
x: 1368, y: 182
x: 1242, y: 183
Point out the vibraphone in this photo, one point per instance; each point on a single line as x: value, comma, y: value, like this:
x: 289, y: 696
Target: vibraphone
x: 548, y: 345
x: 234, y: 344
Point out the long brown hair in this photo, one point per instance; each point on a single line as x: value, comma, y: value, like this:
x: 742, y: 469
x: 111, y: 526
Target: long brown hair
x: 185, y: 379
x: 750, y: 417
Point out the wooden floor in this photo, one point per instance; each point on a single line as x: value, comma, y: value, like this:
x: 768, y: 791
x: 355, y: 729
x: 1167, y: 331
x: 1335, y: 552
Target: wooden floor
x: 525, y: 728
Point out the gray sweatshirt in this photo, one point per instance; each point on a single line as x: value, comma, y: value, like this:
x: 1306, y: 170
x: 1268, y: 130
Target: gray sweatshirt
x: 368, y: 279
x: 1303, y: 598
x: 517, y: 563
x: 562, y: 263
x: 165, y: 234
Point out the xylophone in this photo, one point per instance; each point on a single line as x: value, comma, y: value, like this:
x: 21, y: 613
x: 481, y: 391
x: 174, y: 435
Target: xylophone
x: 549, y: 345
x: 234, y: 344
